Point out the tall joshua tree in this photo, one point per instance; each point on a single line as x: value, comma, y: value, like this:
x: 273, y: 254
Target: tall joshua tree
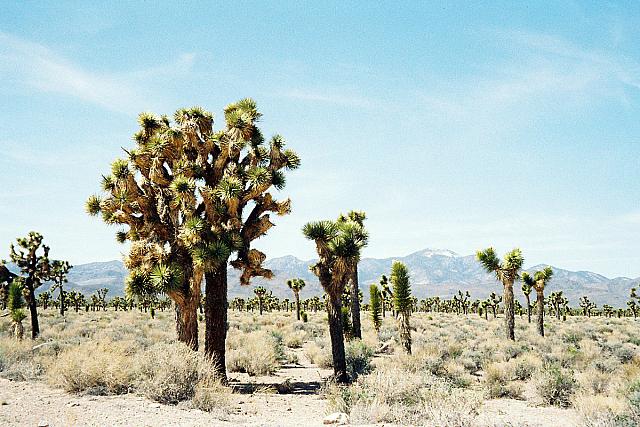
x: 375, y: 305
x: 34, y: 268
x: 191, y: 197
x: 354, y: 290
x: 59, y: 272
x: 296, y: 286
x: 260, y: 292
x: 538, y: 281
x: 526, y: 290
x: 402, y: 302
x: 507, y: 273
x: 6, y: 277
x: 338, y: 244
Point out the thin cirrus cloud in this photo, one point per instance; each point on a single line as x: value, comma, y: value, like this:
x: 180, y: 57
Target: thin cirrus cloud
x: 43, y: 69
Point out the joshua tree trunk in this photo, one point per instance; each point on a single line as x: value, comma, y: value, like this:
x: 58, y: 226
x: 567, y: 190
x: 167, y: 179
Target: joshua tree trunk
x: 355, y: 305
x: 260, y: 305
x: 540, y: 306
x: 405, y: 330
x: 18, y: 330
x: 33, y: 311
x: 528, y: 308
x: 216, y: 319
x: 334, y: 311
x: 187, y: 322
x: 62, y: 307
x: 297, y: 295
x: 509, y: 312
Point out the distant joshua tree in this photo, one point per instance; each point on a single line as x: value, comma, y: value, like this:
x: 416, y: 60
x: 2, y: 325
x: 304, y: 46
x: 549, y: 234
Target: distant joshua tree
x: 539, y: 281
x: 587, y: 306
x: 402, y: 302
x: 633, y: 304
x: 296, y: 286
x: 260, y: 292
x: 375, y: 305
x: 506, y: 272
x: 59, y: 272
x: 526, y: 290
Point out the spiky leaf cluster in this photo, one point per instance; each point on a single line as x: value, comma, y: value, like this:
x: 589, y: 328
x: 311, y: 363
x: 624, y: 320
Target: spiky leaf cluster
x: 401, y: 287
x: 506, y: 271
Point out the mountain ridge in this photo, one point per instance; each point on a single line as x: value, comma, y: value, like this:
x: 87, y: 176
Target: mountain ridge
x: 434, y: 272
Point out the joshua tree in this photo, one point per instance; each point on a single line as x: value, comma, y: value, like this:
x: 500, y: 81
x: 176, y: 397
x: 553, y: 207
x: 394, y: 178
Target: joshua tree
x: 338, y: 244
x: 102, y: 298
x: 462, y: 301
x: 633, y: 305
x: 189, y: 198
x: 296, y: 286
x: 16, y: 303
x: 526, y: 290
x: 556, y: 299
x: 586, y: 306
x: 402, y: 302
x: 507, y: 273
x: 43, y: 299
x: 539, y: 281
x: 59, y: 272
x: 494, y: 301
x: 34, y: 268
x: 356, y: 328
x: 607, y: 310
x: 6, y: 277
x: 260, y: 292
x: 385, y: 294
x: 375, y: 305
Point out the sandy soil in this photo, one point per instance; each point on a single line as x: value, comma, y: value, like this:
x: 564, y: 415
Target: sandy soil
x: 289, y: 398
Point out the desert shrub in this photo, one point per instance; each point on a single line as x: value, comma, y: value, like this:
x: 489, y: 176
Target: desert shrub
x: 625, y: 353
x: 358, y: 357
x: 555, y: 385
x: 295, y: 339
x: 524, y: 367
x: 594, y: 381
x: 511, y: 352
x: 256, y: 353
x: 606, y: 365
x: 497, y: 378
x: 168, y: 373
x: 16, y: 360
x: 572, y: 337
x: 102, y: 367
x: 392, y: 395
x: 319, y: 354
x: 603, y: 411
x: 209, y: 394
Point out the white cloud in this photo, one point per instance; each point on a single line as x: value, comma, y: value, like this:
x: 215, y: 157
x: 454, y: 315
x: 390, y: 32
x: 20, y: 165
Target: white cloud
x: 41, y: 68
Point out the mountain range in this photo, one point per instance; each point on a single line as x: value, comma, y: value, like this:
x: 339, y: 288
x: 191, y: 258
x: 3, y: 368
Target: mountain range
x: 434, y: 272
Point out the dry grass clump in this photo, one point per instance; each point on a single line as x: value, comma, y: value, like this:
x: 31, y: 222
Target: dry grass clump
x: 391, y: 394
x: 256, y: 353
x: 319, y: 353
x: 498, y: 379
x: 102, y: 367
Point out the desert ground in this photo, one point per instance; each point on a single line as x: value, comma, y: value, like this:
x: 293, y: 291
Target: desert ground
x: 124, y: 368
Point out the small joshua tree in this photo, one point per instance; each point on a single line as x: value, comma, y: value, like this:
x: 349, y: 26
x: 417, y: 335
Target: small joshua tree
x: 539, y: 281
x: 260, y: 292
x: 59, y: 272
x: 526, y: 290
x: 296, y: 286
x: 586, y: 306
x: 354, y: 290
x: 16, y: 304
x: 34, y: 268
x: 375, y: 305
x: 402, y: 302
x: 43, y: 300
x: 506, y: 272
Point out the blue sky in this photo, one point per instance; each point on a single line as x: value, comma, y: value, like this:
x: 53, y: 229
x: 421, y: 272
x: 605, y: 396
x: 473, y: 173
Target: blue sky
x: 452, y: 126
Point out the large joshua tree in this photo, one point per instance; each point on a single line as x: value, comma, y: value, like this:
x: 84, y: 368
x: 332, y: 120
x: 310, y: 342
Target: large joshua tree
x: 189, y: 198
x: 507, y: 273
x: 296, y: 285
x: 402, y: 302
x: 338, y: 244
x: 538, y: 281
x: 34, y: 270
x: 354, y: 289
